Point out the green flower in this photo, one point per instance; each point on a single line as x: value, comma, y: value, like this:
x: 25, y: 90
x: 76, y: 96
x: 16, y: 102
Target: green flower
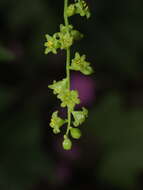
x: 56, y: 122
x: 82, y: 8
x: 59, y: 87
x: 66, y: 40
x: 65, y: 37
x: 65, y: 29
x: 79, y: 7
x: 79, y: 64
x: 52, y: 44
x: 79, y: 116
x: 69, y: 98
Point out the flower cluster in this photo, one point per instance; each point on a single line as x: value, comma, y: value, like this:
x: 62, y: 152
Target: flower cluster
x: 63, y: 40
x: 79, y: 7
x: 69, y: 98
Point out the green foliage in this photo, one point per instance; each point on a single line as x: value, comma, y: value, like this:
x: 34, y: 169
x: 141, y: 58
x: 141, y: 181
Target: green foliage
x: 69, y: 98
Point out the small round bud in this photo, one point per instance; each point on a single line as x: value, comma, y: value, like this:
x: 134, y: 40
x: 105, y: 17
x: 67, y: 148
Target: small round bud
x: 67, y: 144
x: 71, y: 10
x: 75, y: 133
x: 76, y: 35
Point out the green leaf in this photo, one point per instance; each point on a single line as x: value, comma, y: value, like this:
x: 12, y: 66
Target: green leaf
x: 56, y: 122
x: 59, y: 87
x: 6, y: 55
x: 79, y: 64
x: 79, y: 116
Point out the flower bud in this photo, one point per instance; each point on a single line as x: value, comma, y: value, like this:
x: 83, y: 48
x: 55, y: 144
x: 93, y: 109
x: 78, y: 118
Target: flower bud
x: 67, y: 144
x: 71, y: 10
x: 75, y: 133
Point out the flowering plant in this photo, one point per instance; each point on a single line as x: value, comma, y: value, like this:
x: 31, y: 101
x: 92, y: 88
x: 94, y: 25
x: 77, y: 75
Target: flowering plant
x: 63, y: 40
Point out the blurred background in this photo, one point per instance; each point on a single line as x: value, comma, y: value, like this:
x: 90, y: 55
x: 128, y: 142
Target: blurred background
x: 110, y: 153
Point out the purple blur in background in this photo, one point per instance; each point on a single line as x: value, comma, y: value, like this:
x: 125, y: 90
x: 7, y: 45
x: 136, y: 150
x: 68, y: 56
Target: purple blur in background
x: 85, y: 85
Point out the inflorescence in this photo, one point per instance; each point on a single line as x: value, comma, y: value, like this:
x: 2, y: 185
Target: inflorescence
x: 63, y: 40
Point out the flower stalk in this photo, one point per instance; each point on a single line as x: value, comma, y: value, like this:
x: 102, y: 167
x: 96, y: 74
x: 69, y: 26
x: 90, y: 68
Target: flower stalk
x: 67, y: 64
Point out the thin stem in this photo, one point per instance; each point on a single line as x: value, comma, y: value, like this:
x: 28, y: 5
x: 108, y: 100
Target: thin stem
x: 67, y: 63
x: 65, y: 12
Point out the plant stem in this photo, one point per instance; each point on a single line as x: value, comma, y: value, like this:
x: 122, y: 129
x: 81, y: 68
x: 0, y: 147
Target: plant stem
x: 67, y: 63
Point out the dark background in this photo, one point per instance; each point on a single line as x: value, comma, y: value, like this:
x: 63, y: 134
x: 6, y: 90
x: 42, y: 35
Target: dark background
x: 110, y: 152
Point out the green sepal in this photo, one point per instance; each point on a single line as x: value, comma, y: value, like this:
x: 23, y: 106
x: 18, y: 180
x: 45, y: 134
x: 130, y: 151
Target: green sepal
x: 75, y: 133
x: 59, y: 87
x: 79, y: 116
x: 56, y: 122
x: 69, y: 98
x: 80, y: 64
x: 79, y: 7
